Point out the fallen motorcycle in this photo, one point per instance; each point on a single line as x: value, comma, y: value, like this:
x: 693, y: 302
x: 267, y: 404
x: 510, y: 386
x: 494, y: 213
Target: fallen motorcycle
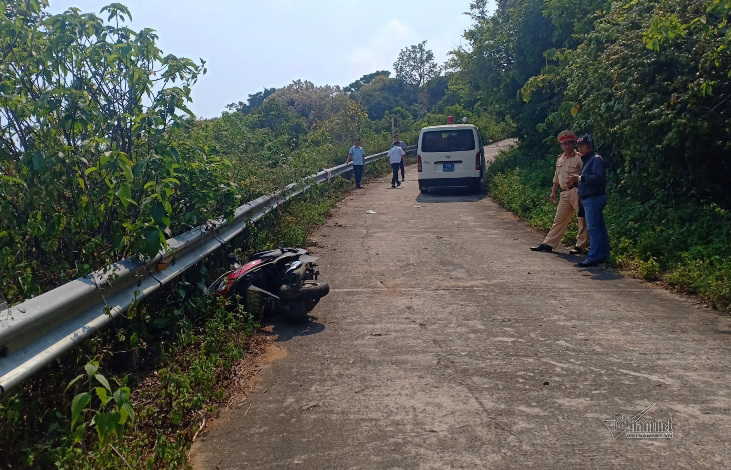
x: 282, y: 280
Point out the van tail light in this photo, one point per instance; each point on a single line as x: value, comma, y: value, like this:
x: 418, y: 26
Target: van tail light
x: 477, y: 161
x: 418, y: 162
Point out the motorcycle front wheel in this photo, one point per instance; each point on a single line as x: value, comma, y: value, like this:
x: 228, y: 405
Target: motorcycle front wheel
x: 309, y: 290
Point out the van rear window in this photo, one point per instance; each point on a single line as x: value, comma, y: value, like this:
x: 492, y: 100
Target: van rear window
x: 448, y: 141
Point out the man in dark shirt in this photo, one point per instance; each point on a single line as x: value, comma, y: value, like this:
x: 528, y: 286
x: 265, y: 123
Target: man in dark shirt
x: 592, y: 191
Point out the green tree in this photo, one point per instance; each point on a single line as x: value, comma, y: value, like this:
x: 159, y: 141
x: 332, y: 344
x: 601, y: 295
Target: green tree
x: 383, y: 94
x: 365, y: 80
x: 87, y: 108
x: 255, y: 101
x: 657, y: 95
x: 435, y: 90
x: 347, y: 119
x: 504, y: 50
x: 415, y: 65
x: 314, y: 103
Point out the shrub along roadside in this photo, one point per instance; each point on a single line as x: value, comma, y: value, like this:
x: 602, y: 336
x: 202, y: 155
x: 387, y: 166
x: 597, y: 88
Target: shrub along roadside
x: 179, y: 354
x: 126, y: 165
x: 685, y: 244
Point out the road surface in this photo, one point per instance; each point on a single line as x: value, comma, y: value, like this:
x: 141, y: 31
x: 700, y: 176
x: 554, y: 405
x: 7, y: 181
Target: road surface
x: 446, y: 343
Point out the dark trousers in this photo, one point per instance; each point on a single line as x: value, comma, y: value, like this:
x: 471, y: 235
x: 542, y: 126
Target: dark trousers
x: 358, y: 173
x: 394, y: 179
x: 401, y: 165
x: 598, y: 235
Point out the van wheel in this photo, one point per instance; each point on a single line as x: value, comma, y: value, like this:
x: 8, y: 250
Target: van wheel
x: 424, y: 189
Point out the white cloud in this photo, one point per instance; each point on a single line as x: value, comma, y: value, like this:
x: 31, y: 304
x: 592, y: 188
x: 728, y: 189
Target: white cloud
x: 381, y: 50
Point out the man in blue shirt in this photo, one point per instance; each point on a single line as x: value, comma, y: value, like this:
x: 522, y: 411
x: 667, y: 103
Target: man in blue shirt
x: 592, y: 191
x: 357, y: 156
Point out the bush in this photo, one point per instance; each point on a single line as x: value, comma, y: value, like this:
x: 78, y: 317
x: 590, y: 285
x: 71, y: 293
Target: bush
x: 687, y: 244
x: 176, y: 353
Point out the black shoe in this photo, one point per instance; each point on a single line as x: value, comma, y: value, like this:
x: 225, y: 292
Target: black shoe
x: 588, y: 264
x: 399, y: 183
x: 542, y: 247
x: 576, y: 250
x: 393, y: 185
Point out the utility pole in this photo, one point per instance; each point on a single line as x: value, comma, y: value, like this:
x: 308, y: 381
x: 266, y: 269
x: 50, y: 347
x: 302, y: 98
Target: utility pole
x: 393, y: 125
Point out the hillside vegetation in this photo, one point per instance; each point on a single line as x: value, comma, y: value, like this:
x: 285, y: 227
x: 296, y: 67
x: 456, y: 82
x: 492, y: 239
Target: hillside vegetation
x: 101, y: 159
x: 651, y: 81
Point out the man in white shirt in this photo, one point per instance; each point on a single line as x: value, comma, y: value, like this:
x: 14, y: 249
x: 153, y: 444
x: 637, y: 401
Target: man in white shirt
x: 395, y: 155
x: 401, y: 144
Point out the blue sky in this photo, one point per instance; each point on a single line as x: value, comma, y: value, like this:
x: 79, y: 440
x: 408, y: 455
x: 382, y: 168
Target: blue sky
x: 249, y: 45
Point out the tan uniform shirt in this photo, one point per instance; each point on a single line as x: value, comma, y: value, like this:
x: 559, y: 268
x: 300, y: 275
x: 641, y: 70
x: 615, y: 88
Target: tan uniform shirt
x: 566, y: 166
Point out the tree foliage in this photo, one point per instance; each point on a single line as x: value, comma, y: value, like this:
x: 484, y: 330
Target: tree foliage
x: 88, y: 171
x: 651, y: 93
x: 415, y: 65
x: 255, y: 101
x: 383, y: 94
x: 503, y: 51
x: 355, y: 87
x: 650, y: 79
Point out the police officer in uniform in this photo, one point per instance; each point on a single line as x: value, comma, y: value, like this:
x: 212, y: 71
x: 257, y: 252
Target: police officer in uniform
x: 568, y: 163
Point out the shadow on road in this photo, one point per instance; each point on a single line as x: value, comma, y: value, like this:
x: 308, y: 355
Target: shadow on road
x: 444, y: 195
x: 285, y: 328
x: 599, y: 273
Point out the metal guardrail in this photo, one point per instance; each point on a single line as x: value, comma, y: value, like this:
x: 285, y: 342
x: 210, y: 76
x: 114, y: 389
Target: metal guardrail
x: 37, y: 331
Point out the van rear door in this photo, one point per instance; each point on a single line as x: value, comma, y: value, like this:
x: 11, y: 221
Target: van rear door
x: 448, y: 153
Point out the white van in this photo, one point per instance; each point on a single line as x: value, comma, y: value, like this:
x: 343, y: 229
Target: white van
x: 450, y: 155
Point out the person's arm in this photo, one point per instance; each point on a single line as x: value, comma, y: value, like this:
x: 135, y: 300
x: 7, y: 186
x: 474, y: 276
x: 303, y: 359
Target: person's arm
x: 552, y: 197
x: 350, y: 156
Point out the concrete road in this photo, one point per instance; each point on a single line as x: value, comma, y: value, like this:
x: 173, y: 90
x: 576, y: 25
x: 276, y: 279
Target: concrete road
x: 446, y: 343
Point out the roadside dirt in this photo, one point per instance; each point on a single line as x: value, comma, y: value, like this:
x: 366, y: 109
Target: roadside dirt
x: 446, y: 343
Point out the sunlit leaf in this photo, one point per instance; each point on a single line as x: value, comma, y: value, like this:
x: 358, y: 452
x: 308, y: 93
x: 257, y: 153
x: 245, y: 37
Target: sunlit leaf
x: 103, y: 380
x: 91, y: 369
x: 78, y: 404
x: 101, y: 392
x: 13, y: 180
